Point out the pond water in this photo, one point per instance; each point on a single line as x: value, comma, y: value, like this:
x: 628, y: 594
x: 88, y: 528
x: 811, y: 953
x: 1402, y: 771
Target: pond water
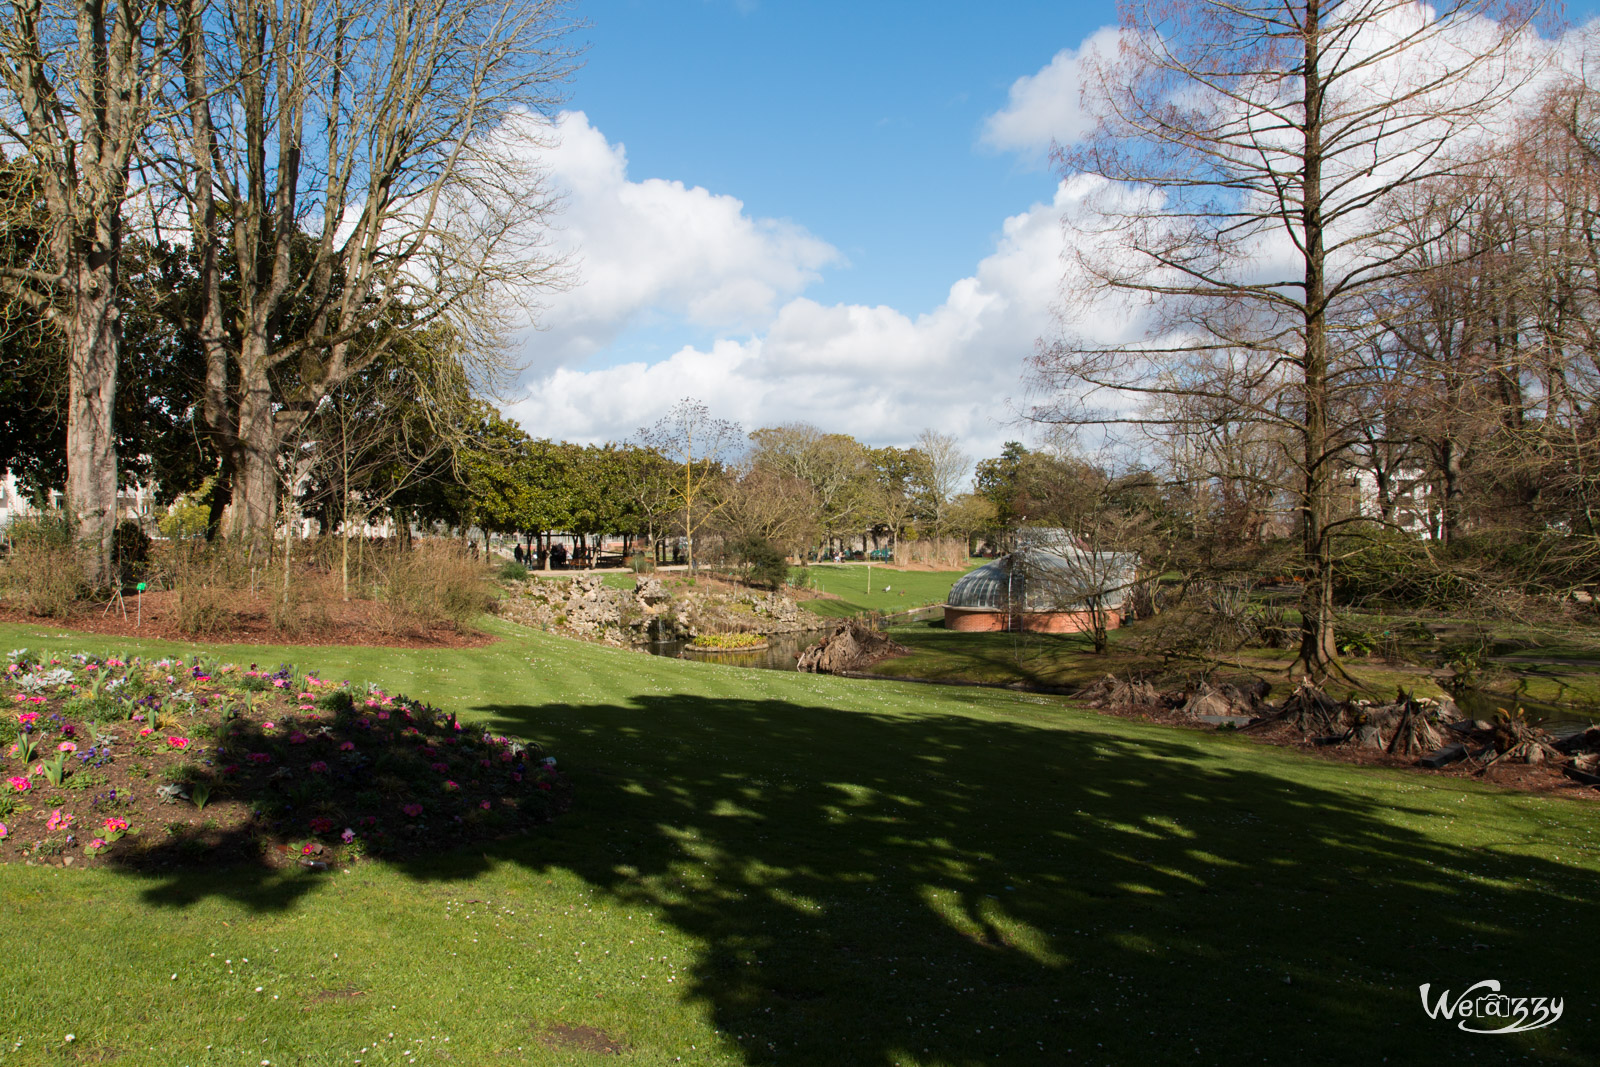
x: 780, y: 654
x: 1559, y: 719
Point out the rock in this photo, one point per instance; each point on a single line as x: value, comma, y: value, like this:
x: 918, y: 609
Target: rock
x: 852, y: 646
x: 1444, y: 756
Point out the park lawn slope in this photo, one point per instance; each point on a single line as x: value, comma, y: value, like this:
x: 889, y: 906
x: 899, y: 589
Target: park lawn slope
x: 884, y: 589
x: 772, y: 868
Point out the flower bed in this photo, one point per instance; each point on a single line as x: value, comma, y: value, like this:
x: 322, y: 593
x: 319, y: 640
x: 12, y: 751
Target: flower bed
x: 735, y: 642
x: 167, y: 762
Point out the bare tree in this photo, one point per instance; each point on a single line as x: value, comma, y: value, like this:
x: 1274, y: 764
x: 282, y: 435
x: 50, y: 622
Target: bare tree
x: 944, y: 469
x: 691, y: 438
x: 352, y: 171
x: 1241, y: 150
x: 79, y: 77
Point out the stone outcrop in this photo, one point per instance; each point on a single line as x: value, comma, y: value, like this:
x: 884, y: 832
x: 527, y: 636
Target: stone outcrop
x: 853, y: 646
x: 584, y: 606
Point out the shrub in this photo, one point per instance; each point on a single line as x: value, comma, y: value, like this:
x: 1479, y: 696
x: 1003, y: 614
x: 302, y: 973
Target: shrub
x: 640, y: 563
x: 763, y: 564
x: 42, y: 571
x: 130, y: 551
x: 512, y: 571
x: 206, y: 587
x: 438, y: 584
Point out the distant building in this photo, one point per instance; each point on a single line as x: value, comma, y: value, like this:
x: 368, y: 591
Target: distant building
x: 1043, y: 590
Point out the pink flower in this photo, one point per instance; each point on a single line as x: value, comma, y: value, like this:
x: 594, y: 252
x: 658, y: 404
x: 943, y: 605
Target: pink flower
x: 545, y: 786
x: 347, y: 746
x: 307, y: 707
x: 348, y: 836
x: 58, y: 821
x: 383, y: 714
x: 179, y: 743
x: 321, y: 825
x: 306, y: 696
x: 412, y: 810
x: 97, y: 844
x: 66, y: 746
x: 297, y: 738
x: 18, y: 783
x: 318, y: 767
x: 3, y: 831
x: 485, y: 763
x: 145, y: 731
x: 26, y: 717
x: 450, y: 786
x: 308, y: 849
x: 258, y: 757
x: 371, y: 703
x: 440, y: 767
x: 36, y: 700
x: 280, y: 683
x: 115, y: 825
x: 269, y: 726
x: 484, y: 804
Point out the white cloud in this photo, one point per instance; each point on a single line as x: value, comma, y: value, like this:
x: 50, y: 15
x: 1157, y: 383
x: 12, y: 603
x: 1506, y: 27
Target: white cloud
x: 1044, y: 108
x: 873, y: 372
x: 657, y: 248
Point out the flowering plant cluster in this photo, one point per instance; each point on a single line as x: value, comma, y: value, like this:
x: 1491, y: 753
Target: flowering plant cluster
x: 258, y: 762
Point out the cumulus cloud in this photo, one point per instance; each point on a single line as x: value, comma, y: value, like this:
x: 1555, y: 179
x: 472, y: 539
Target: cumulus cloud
x: 1045, y: 107
x: 654, y: 248
x: 869, y: 371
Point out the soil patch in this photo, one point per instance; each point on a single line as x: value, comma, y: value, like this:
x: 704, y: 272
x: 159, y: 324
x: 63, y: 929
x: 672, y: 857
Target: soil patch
x: 581, y: 1039
x: 335, y: 622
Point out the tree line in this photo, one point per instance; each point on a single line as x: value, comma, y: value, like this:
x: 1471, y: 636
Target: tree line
x: 218, y: 214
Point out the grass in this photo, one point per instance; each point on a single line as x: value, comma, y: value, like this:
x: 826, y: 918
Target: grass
x: 765, y: 868
x: 891, y: 590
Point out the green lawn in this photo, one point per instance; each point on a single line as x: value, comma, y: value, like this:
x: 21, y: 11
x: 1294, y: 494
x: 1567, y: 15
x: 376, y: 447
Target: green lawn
x: 767, y: 868
x: 891, y: 591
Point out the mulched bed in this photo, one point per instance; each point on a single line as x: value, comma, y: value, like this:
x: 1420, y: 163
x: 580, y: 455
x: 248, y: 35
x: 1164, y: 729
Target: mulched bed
x: 330, y: 621
x: 1528, y: 778
x: 173, y: 762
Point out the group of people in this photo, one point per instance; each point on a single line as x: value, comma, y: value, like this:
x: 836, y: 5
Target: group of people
x: 559, y: 557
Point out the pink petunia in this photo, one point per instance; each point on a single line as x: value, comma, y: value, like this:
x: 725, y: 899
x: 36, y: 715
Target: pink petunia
x: 115, y: 825
x: 66, y: 746
x: 18, y: 783
x: 24, y: 718
x: 179, y: 743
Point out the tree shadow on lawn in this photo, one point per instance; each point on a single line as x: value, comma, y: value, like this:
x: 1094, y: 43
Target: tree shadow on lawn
x: 875, y: 888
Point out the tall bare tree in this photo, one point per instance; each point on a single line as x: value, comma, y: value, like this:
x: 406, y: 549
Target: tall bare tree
x: 1241, y: 149
x: 79, y: 77
x: 697, y: 442
x: 351, y: 171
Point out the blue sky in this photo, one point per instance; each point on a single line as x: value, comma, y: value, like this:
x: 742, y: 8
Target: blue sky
x: 860, y: 121
x: 837, y: 213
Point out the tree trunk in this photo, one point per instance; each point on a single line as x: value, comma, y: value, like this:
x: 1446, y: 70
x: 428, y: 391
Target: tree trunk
x: 255, y: 480
x: 1317, y: 648
x: 93, y: 347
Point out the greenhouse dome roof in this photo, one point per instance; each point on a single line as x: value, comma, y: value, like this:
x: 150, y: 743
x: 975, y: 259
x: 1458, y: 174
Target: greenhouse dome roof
x: 1033, y: 579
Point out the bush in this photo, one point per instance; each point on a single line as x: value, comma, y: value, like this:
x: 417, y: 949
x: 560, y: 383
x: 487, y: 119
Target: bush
x: 728, y: 641
x: 130, y: 551
x: 42, y: 572
x: 207, y: 582
x: 512, y: 571
x: 438, y: 584
x: 640, y: 563
x: 764, y: 565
